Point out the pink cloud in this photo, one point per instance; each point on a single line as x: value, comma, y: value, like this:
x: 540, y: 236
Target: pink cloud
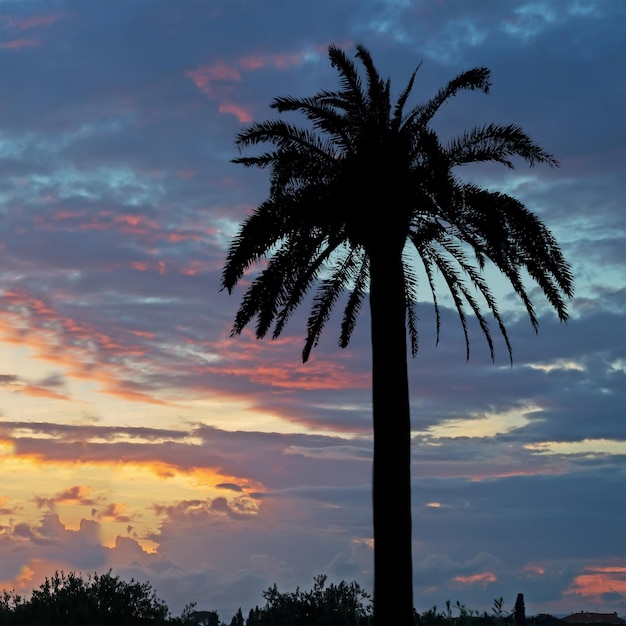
x: 59, y: 339
x: 18, y: 44
x: 144, y: 266
x: 245, y: 117
x: 279, y: 61
x: 26, y: 23
x: 283, y: 61
x: 206, y: 75
x: 64, y: 214
x: 247, y: 358
x: 193, y: 268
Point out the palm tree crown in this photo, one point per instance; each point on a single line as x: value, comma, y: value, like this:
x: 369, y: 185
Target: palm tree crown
x: 369, y: 177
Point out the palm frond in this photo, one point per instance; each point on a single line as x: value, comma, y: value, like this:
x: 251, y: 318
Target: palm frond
x: 377, y: 102
x: 454, y: 281
x: 495, y: 142
x: 477, y: 78
x: 428, y: 269
x: 325, y: 298
x: 286, y: 137
x: 350, y: 80
x: 456, y: 251
x: 512, y: 237
x: 258, y: 234
x: 324, y: 115
x: 300, y: 282
x: 353, y: 305
x: 410, y: 296
x: 398, y: 111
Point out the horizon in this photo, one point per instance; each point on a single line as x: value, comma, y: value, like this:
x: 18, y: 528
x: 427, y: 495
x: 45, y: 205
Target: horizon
x: 438, y: 608
x: 137, y: 435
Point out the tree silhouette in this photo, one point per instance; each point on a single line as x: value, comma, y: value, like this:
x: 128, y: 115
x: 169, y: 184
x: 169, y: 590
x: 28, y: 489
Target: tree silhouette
x: 520, y: 610
x: 359, y: 199
x: 335, y: 605
x: 99, y: 599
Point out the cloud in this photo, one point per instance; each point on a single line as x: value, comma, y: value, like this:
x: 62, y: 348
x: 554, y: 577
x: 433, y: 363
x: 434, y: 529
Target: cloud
x: 205, y: 77
x: 11, y: 22
x: 592, y: 585
x: 19, y: 44
x: 243, y: 115
x: 282, y: 61
x: 77, y: 494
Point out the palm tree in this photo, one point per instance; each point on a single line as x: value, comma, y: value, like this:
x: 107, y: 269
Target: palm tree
x: 360, y: 199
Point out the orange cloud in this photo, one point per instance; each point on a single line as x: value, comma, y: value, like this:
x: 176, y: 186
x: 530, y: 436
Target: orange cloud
x: 128, y: 223
x: 534, y: 570
x: 598, y: 581
x: 247, y: 352
x: 144, y: 334
x: 305, y: 377
x: 76, y: 494
x: 25, y: 578
x: 125, y: 223
x: 4, y: 508
x: 42, y: 392
x: 483, y: 579
x: 115, y: 512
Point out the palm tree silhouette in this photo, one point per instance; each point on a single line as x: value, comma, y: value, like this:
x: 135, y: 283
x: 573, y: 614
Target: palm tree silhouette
x: 360, y: 199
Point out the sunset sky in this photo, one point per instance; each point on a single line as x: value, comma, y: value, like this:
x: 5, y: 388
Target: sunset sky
x: 137, y: 435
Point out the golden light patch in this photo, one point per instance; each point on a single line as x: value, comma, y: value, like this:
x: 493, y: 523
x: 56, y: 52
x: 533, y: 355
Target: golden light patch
x: 559, y: 365
x: 7, y: 447
x: 485, y: 425
x: 586, y: 447
x: 366, y: 541
x: 120, y: 497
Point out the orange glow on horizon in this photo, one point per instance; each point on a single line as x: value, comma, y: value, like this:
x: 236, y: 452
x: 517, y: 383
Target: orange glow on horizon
x: 114, y: 499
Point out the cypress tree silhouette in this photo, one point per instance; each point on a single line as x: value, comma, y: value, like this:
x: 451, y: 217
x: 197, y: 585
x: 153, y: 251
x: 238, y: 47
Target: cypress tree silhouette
x: 520, y: 610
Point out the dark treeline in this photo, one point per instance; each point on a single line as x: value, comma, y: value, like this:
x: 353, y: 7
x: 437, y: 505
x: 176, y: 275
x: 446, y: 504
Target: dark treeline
x: 106, y: 600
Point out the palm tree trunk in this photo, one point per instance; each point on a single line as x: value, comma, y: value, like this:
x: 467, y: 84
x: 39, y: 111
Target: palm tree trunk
x: 393, y: 568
